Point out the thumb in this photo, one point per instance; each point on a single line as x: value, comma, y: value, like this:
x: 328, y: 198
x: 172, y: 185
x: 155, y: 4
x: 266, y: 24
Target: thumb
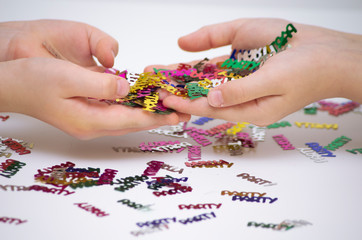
x: 264, y: 82
x: 80, y: 82
x: 103, y: 46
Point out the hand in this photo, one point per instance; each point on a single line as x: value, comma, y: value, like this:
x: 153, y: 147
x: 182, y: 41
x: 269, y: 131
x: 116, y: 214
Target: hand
x: 72, y: 41
x: 320, y: 64
x: 57, y: 91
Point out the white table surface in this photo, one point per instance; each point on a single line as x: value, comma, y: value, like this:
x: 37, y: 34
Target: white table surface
x: 328, y: 194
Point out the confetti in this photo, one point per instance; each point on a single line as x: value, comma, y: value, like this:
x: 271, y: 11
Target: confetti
x: 355, y: 150
x: 199, y: 206
x: 317, y: 125
x: 197, y: 218
x: 312, y: 155
x: 283, y: 142
x: 271, y: 225
x: 253, y: 179
x: 92, y: 209
x: 337, y: 143
x: 320, y: 150
x: 242, y: 194
x: 135, y: 205
x: 11, y: 167
x: 9, y: 220
x: 254, y: 199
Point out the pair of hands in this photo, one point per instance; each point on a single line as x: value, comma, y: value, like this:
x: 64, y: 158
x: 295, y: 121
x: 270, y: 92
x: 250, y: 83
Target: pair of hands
x: 321, y: 64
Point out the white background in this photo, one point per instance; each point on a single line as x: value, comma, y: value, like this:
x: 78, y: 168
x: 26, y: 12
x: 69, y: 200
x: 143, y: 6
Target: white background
x: 327, y: 195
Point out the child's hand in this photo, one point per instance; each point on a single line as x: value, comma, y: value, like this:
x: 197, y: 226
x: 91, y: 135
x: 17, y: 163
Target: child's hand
x: 57, y: 91
x: 72, y: 41
x: 321, y: 64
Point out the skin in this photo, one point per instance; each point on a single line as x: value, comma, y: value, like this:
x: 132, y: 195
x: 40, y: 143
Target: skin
x: 321, y: 64
x: 56, y: 88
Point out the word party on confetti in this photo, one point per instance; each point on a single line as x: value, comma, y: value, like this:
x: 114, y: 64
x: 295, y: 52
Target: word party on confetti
x: 16, y: 146
x: 209, y: 164
x: 94, y: 210
x: 253, y: 179
x: 310, y: 153
x: 172, y: 168
x: 197, y: 218
x: 337, y: 143
x: 283, y: 142
x: 151, y: 229
x: 355, y: 150
x: 135, y: 205
x: 286, y: 227
x: 254, y: 199
x: 336, y: 109
x: 36, y: 188
x: 10, y: 167
x: 320, y: 150
x: 280, y: 124
x: 10, y: 220
x: 129, y: 182
x: 4, y: 118
x: 176, y: 190
x: 164, y: 181
x: 200, y: 206
x: 317, y: 125
x: 243, y: 194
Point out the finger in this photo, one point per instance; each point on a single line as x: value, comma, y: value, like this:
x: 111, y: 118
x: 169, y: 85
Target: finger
x: 200, y: 107
x: 256, y: 33
x: 262, y: 112
x: 117, y: 117
x: 103, y: 46
x: 208, y: 37
x: 117, y: 132
x: 76, y: 81
x: 183, y: 117
x: 241, y: 33
x: 96, y: 116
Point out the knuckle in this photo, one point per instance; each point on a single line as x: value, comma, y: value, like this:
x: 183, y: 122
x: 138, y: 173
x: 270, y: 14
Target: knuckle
x: 234, y: 95
x: 265, y: 117
x: 18, y: 48
x: 81, y: 134
x: 108, y: 87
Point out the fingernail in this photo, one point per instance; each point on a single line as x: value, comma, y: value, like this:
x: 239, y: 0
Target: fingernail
x: 122, y: 87
x: 215, y: 98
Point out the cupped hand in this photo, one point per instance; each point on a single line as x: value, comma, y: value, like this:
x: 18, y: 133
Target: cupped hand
x: 57, y: 92
x: 321, y: 63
